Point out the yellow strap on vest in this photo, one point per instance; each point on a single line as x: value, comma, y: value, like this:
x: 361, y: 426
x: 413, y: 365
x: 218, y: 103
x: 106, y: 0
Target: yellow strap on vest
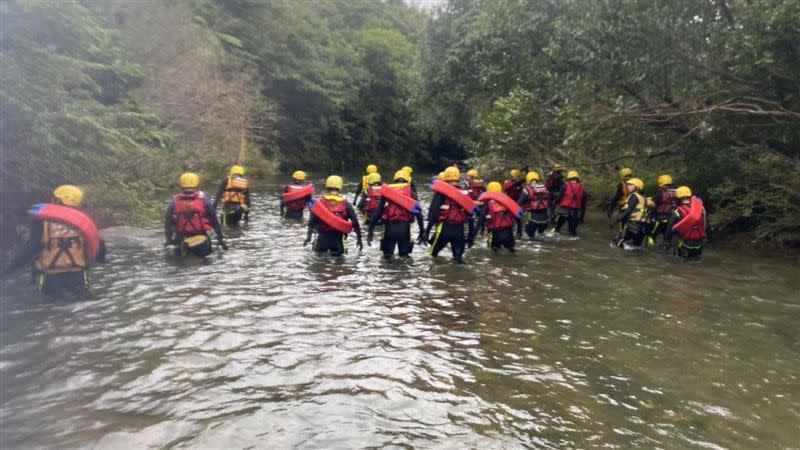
x: 334, y: 198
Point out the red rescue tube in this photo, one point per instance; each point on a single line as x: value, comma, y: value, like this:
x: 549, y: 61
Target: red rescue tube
x: 73, y: 218
x: 394, y: 196
x: 503, y: 199
x: 297, y: 194
x: 695, y: 215
x: 454, y: 194
x: 331, y: 219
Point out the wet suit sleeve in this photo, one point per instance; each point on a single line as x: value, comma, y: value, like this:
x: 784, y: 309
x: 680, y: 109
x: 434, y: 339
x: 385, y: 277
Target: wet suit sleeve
x: 632, y: 203
x: 673, y: 219
x: 312, y: 225
x: 361, y: 202
x: 414, y: 190
x: 27, y: 253
x: 481, y: 218
x: 560, y: 194
x: 433, y: 211
x: 220, y: 191
x: 523, y: 197
x: 359, y: 189
x: 212, y: 217
x: 168, y: 237
x: 376, y: 216
x: 614, y: 201
x: 354, y: 219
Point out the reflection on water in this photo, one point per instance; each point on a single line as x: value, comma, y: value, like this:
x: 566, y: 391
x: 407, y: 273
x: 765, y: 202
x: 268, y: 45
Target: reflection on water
x: 567, y: 343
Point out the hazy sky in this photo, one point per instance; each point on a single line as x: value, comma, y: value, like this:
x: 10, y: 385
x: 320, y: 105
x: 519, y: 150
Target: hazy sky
x: 426, y: 5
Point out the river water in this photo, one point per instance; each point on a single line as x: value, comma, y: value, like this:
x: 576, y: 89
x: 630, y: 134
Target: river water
x: 565, y: 344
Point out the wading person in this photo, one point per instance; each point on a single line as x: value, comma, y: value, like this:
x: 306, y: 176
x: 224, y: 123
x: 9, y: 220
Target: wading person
x: 362, y: 186
x: 689, y: 222
x: 535, y: 199
x: 396, y: 209
x: 296, y: 196
x: 234, y: 193
x: 633, y: 215
x: 571, y: 201
x: 450, y: 209
x: 498, y: 214
x: 332, y: 218
x: 189, y: 218
x: 664, y: 207
x: 62, y: 245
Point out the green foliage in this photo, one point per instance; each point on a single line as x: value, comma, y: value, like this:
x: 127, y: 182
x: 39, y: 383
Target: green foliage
x: 709, y: 91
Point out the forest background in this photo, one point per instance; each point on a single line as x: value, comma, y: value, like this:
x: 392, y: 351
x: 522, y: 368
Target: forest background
x: 119, y: 97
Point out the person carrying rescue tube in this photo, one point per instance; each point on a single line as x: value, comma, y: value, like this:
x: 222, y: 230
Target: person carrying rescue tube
x: 571, y: 201
x: 189, y: 218
x: 633, y: 215
x: 296, y: 196
x: 498, y: 219
x: 61, y: 245
x: 369, y: 201
x: 535, y: 199
x: 396, y: 214
x: 409, y: 171
x: 512, y: 187
x: 362, y: 187
x: 689, y: 222
x: 234, y: 193
x: 621, y: 195
x: 332, y: 217
x: 555, y: 180
x: 476, y: 184
x: 450, y: 209
x: 664, y: 207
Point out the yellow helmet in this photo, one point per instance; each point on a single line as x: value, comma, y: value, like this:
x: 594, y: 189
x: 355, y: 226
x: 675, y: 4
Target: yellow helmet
x: 558, y: 168
x: 573, y: 174
x: 625, y: 172
x: 472, y: 173
x: 636, y: 182
x: 514, y: 173
x: 407, y: 169
x: 69, y: 195
x: 401, y: 175
x: 237, y: 170
x: 441, y: 176
x: 494, y: 186
x: 531, y: 176
x: 334, y: 182
x: 452, y: 174
x: 372, y: 168
x: 683, y: 192
x: 189, y: 180
x: 299, y: 175
x: 664, y: 180
x: 373, y: 178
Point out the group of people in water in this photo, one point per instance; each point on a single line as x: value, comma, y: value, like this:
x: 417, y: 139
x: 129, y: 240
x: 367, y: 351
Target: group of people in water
x: 64, y: 241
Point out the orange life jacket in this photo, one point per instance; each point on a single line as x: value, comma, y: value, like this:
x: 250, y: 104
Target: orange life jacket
x: 392, y: 212
x: 234, y: 190
x: 298, y: 204
x: 451, y: 212
x: 697, y: 230
x: 63, y: 249
x: 372, y: 199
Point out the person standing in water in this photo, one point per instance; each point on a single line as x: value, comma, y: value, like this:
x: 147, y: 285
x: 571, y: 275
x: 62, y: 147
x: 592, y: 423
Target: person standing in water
x: 189, y: 218
x: 498, y: 219
x: 450, y: 209
x: 689, y: 222
x: 332, y: 218
x: 296, y: 196
x: 234, y: 193
x: 396, y: 209
x: 571, y: 201
x: 535, y: 199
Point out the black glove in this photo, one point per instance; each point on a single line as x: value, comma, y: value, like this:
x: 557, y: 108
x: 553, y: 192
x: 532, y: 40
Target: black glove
x: 519, y: 233
x: 359, y: 244
x: 308, y: 239
x: 369, y: 239
x: 223, y: 244
x: 422, y: 239
x: 470, y: 242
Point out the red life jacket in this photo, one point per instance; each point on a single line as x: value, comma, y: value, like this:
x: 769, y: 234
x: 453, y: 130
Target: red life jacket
x: 499, y: 217
x: 538, y: 197
x: 573, y: 195
x: 476, y: 188
x: 512, y: 190
x: 666, y: 202
x: 392, y: 212
x: 371, y: 202
x: 338, y: 208
x: 189, y: 214
x: 451, y: 212
x: 697, y: 230
x: 296, y: 204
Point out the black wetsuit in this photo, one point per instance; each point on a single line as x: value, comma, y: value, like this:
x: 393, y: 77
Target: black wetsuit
x: 632, y: 232
x: 447, y: 233
x: 394, y: 233
x: 332, y: 241
x: 554, y: 183
x: 687, y: 249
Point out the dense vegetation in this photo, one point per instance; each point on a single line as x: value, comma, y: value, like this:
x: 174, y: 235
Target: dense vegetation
x: 123, y: 95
